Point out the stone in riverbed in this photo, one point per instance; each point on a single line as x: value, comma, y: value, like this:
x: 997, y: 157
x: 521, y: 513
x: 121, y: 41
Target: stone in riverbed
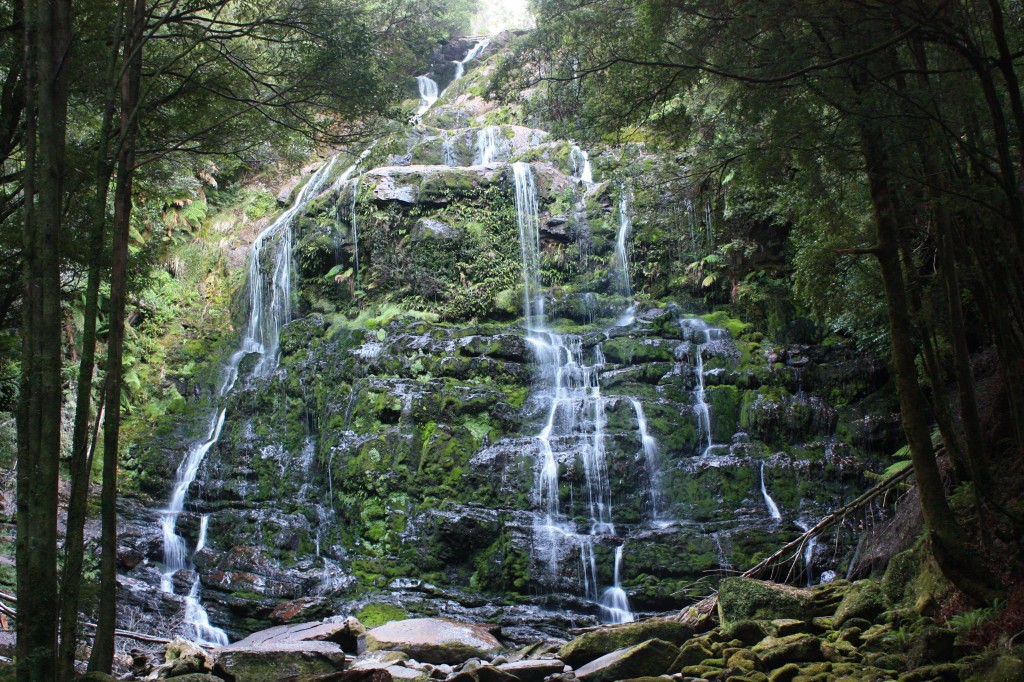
x: 592, y: 645
x: 533, y: 671
x: 433, y: 640
x: 652, y: 658
x: 270, y: 660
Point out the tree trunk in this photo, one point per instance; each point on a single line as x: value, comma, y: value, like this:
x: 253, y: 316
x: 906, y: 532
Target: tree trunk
x: 945, y: 533
x: 47, y: 41
x: 79, y: 467
x: 102, y: 656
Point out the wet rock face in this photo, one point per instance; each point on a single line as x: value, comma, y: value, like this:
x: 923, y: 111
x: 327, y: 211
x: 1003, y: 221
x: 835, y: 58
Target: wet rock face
x: 396, y: 442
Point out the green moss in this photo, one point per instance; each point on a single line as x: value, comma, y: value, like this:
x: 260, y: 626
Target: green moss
x: 376, y: 614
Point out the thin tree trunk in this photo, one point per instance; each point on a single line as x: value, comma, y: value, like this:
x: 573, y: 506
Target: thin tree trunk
x: 47, y: 41
x: 80, y: 470
x: 945, y: 533
x: 102, y: 656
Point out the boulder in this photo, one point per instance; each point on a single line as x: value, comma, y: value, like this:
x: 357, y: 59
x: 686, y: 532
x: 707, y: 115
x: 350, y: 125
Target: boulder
x: 864, y: 599
x: 272, y: 660
x: 533, y: 671
x: 777, y: 651
x: 649, y: 659
x: 593, y: 645
x: 183, y: 657
x: 748, y: 599
x: 344, y: 632
x: 486, y: 673
x: 433, y: 640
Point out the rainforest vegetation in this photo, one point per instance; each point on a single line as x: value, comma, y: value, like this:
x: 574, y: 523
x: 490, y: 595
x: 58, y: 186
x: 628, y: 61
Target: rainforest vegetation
x: 795, y: 244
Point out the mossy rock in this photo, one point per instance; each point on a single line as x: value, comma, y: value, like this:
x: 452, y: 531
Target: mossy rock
x: 595, y: 644
x: 749, y: 632
x: 994, y: 668
x: 946, y: 672
x: 748, y: 599
x: 799, y: 648
x: 865, y: 599
x: 649, y: 658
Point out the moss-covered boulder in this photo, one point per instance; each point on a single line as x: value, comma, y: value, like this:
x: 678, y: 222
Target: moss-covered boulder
x: 864, y: 599
x: 651, y: 658
x: 593, y: 645
x: 799, y: 648
x: 749, y: 599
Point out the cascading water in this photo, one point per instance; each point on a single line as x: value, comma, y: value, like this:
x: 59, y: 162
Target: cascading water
x: 700, y: 334
x: 269, y: 310
x: 773, y: 508
x: 581, y: 165
x: 651, y: 458
x: 614, y: 602
x: 809, y: 547
x: 487, y: 145
x: 474, y: 52
x: 575, y: 409
x: 622, y: 258
x: 428, y: 94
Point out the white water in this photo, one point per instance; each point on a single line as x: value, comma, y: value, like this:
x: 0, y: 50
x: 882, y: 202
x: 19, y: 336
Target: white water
x: 622, y: 258
x: 575, y: 421
x: 474, y: 52
x: 269, y: 310
x: 614, y: 602
x: 488, y: 146
x: 428, y: 94
x: 809, y: 547
x: 700, y: 334
x: 270, y: 302
x: 581, y: 165
x: 773, y: 508
x: 651, y: 458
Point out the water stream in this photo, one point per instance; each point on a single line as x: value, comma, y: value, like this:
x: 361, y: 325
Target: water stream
x: 574, y: 428
x: 428, y: 94
x: 270, y: 296
x: 488, y: 145
x: 773, y: 509
x: 700, y: 334
x: 622, y: 258
x: 614, y: 602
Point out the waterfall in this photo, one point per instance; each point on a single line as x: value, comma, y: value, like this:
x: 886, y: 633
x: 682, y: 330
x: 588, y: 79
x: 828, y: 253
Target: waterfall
x: 809, y: 547
x: 614, y: 602
x: 651, y: 458
x: 625, y: 227
x: 474, y: 52
x: 528, y: 220
x: 428, y: 94
x: 575, y: 419
x: 355, y: 229
x: 269, y: 310
x: 351, y: 211
x: 448, y: 151
x: 581, y: 165
x: 700, y: 334
x: 487, y: 145
x: 773, y: 508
